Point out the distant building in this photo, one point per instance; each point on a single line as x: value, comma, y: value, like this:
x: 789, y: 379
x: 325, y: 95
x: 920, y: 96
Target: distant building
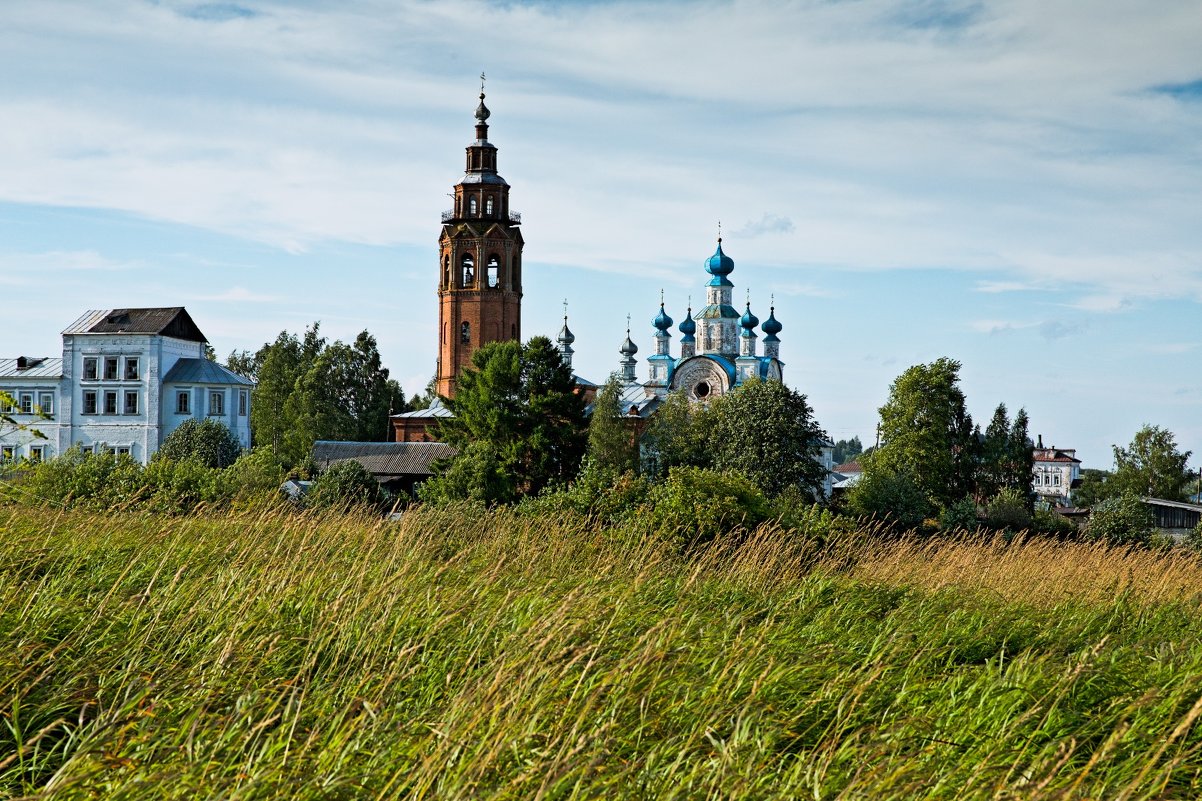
x: 1055, y: 472
x: 126, y: 379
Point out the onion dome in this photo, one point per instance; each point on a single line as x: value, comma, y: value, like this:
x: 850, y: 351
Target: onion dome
x: 566, y: 337
x: 687, y: 326
x: 482, y: 112
x: 662, y: 321
x: 628, y: 347
x: 720, y: 264
x: 749, y: 321
x: 771, y: 326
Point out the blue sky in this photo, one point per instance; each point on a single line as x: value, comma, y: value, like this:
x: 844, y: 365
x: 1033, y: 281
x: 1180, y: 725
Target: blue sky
x: 1017, y: 185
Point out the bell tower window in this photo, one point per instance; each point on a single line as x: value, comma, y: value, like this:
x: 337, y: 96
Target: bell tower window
x: 469, y: 270
x: 471, y: 207
x: 488, y: 207
x: 494, y: 271
x: 465, y: 333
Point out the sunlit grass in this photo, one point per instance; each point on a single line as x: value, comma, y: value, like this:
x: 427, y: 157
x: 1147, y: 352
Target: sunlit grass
x: 462, y: 655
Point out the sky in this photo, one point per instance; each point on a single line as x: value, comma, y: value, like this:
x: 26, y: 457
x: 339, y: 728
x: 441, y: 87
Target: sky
x: 1014, y: 184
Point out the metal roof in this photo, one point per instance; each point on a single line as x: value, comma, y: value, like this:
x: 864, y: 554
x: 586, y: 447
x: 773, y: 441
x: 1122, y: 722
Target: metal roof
x: 435, y: 409
x: 171, y: 321
x: 383, y: 458
x: 1191, y: 507
x: 203, y: 371
x: 41, y: 368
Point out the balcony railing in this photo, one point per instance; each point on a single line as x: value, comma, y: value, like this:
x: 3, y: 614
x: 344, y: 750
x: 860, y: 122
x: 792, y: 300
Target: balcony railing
x: 514, y: 217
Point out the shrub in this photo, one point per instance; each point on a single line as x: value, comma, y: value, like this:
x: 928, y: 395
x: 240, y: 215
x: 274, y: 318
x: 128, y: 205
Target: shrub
x: 1046, y: 521
x: 893, y: 497
x: 208, y: 441
x: 960, y: 516
x: 694, y: 505
x: 1008, y: 509
x: 345, y: 485
x: 1125, y: 520
x: 254, y: 479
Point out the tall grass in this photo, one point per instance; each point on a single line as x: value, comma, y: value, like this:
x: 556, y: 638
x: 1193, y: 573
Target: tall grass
x: 469, y: 655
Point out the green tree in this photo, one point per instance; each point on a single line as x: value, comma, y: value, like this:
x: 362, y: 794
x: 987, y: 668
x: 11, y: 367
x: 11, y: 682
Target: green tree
x: 766, y: 432
x: 891, y: 495
x: 518, y: 426
x: 1095, y: 487
x: 995, y: 453
x: 309, y: 389
x: 9, y: 423
x: 345, y: 485
x: 847, y: 450
x: 1151, y: 466
x: 1121, y: 520
x: 676, y: 437
x: 207, y: 441
x: 927, y: 433
x: 612, y: 439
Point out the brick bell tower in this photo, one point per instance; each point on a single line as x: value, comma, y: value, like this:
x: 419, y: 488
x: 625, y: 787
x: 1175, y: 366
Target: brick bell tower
x: 480, y: 262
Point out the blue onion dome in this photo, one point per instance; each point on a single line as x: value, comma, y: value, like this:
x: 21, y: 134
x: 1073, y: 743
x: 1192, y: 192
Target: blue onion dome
x: 687, y: 326
x: 662, y: 321
x: 720, y: 264
x: 749, y: 320
x: 771, y: 326
x: 566, y: 337
x: 628, y: 347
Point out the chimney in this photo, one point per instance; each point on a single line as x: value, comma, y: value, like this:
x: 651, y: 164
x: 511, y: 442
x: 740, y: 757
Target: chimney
x: 22, y: 363
x: 1039, y: 444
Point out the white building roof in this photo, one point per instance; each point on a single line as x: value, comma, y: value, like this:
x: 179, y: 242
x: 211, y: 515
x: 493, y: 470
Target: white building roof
x: 39, y: 368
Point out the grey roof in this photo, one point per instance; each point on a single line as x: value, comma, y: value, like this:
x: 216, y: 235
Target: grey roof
x: 383, y: 458
x: 581, y: 381
x: 634, y: 396
x: 41, y: 368
x: 435, y: 409
x: 203, y: 371
x: 170, y: 321
x: 1191, y: 507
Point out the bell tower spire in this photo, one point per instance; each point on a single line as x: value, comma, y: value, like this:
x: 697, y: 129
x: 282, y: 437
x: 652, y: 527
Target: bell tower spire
x: 480, y: 261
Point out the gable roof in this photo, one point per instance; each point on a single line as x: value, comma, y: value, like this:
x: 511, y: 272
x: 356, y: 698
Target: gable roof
x: 203, y: 371
x: 168, y: 321
x: 383, y: 459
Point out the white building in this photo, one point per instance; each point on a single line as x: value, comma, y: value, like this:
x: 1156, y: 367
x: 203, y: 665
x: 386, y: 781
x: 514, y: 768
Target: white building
x: 127, y: 378
x: 1055, y: 472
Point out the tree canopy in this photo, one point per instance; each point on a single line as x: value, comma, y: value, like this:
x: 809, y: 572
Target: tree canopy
x: 209, y: 442
x: 518, y: 425
x: 927, y: 433
x: 309, y: 389
x: 1150, y: 466
x: 612, y: 439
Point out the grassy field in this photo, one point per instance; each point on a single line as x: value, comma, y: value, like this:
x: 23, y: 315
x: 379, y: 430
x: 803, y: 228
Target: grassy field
x: 459, y: 655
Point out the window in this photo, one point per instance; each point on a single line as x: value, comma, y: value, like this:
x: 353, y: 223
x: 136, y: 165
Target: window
x: 494, y: 271
x: 46, y: 403
x: 37, y: 453
x: 110, y: 368
x: 488, y: 207
x: 465, y: 333
x: 183, y: 402
x: 89, y: 401
x: 243, y: 400
x: 90, y: 370
x: 469, y: 269
x: 110, y: 401
x: 131, y: 368
x: 26, y: 403
x: 122, y: 450
x: 7, y: 453
x: 131, y: 402
x: 1056, y: 479
x: 216, y: 403
x: 471, y: 206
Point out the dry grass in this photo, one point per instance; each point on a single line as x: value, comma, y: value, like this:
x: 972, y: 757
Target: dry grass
x: 464, y: 655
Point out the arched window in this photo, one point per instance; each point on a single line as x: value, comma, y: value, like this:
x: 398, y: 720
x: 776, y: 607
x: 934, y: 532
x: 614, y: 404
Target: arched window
x: 494, y: 271
x: 446, y: 270
x: 469, y: 269
x: 471, y: 206
x: 465, y: 333
x: 488, y: 206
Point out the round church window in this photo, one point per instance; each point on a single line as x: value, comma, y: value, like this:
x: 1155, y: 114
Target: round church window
x: 702, y: 389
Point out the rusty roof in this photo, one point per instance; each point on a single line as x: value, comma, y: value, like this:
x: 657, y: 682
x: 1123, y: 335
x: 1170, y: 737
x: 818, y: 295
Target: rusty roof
x: 169, y: 321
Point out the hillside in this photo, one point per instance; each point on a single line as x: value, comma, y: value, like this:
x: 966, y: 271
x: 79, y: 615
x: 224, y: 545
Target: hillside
x: 471, y: 655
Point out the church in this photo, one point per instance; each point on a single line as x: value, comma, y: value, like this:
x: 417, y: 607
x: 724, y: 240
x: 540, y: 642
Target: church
x: 480, y: 301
